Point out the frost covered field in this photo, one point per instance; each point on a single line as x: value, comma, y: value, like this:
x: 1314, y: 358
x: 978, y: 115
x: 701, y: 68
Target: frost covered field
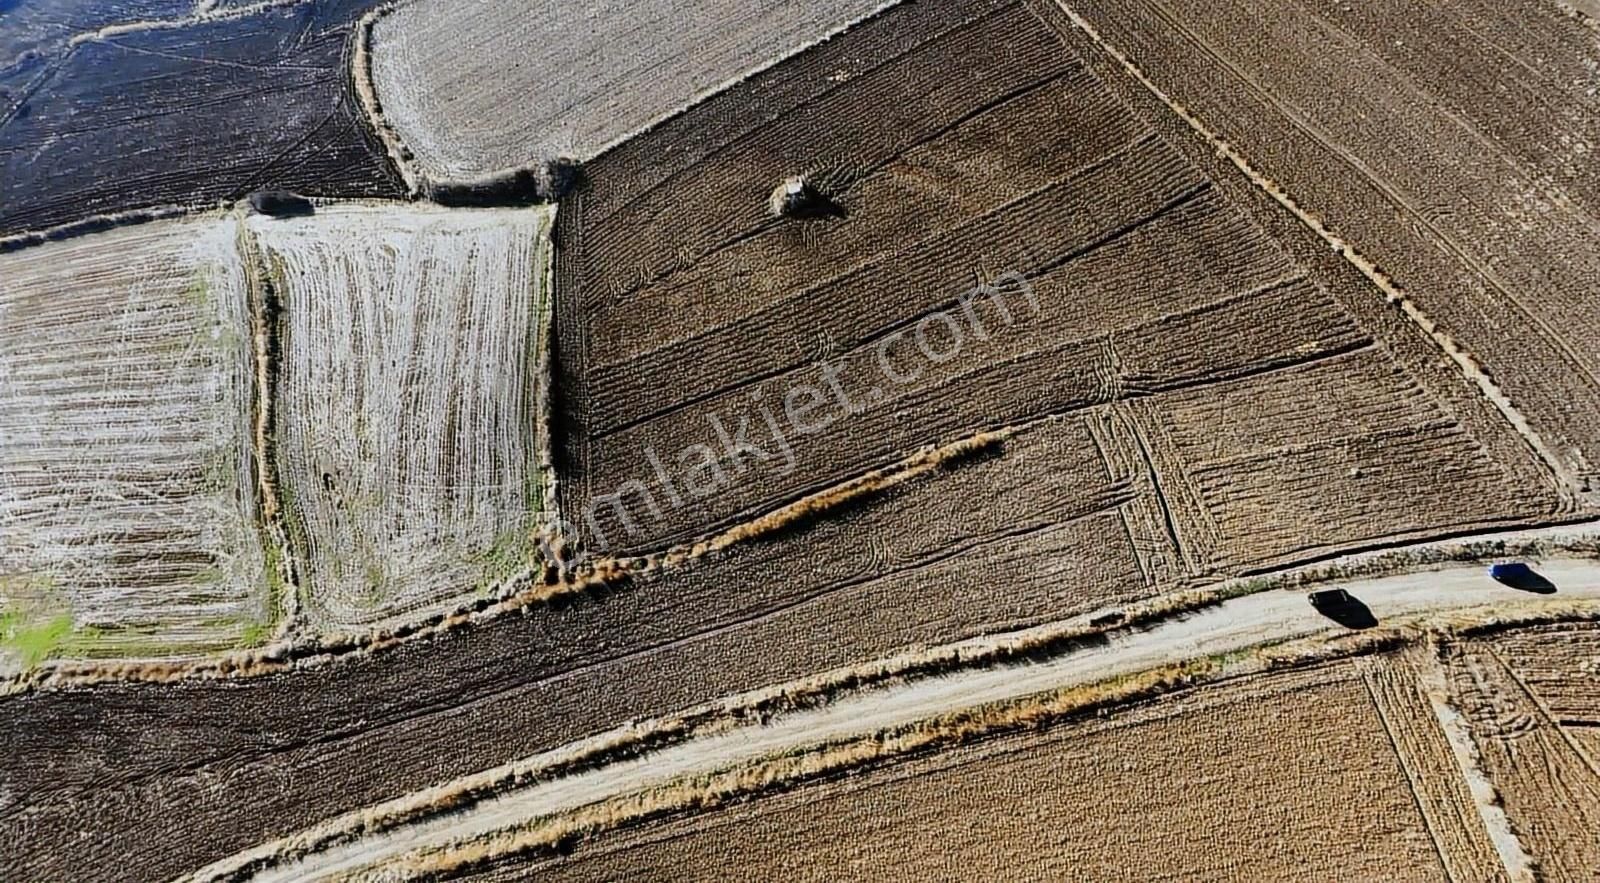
x: 127, y: 506
x: 406, y: 397
x: 441, y: 74
x: 396, y: 354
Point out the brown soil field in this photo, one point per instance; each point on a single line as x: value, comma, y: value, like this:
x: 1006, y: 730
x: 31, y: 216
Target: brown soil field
x: 1458, y: 156
x: 1548, y: 785
x: 137, y: 105
x: 1299, y: 463
x: 233, y: 763
x: 1155, y: 286
x: 1193, y: 384
x: 1283, y: 777
x: 1443, y: 794
x: 1560, y: 666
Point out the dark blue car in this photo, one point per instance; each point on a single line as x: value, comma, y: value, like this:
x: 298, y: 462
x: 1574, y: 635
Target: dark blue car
x: 1518, y: 575
x: 1508, y: 570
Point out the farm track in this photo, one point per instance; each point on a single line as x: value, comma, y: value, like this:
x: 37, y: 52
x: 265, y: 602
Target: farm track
x: 1203, y: 390
x: 1132, y: 797
x: 712, y: 627
x: 1460, y: 834
x: 275, y: 754
x: 1229, y: 627
x: 1548, y: 787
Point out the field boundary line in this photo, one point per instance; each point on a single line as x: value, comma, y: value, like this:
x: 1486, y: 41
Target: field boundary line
x: 1038, y: 645
x: 731, y: 82
x: 101, y: 223
x: 1544, y: 709
x: 1405, y: 768
x: 1566, y: 481
x: 958, y: 726
x: 418, y: 179
x: 1040, y: 642
x: 1574, y: 538
x: 775, y: 770
x: 789, y: 770
x: 204, y: 13
x: 454, y: 796
x: 522, y: 590
x: 544, y: 404
x: 367, y: 96
x: 265, y: 307
x: 1388, y: 680
x: 1434, y: 681
x: 632, y: 740
x: 1443, y: 240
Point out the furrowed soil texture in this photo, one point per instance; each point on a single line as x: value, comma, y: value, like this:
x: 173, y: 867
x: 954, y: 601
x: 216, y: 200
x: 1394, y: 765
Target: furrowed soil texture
x: 1282, y: 777
x: 407, y: 396
x: 399, y: 354
x: 1191, y: 385
x: 150, y: 116
x: 127, y: 477
x: 965, y: 143
x: 1452, y: 144
x: 486, y: 88
x: 1529, y: 700
x: 268, y: 756
x: 1560, y: 665
x: 37, y: 33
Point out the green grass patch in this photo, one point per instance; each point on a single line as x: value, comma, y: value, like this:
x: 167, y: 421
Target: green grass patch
x: 272, y: 571
x: 198, y: 292
x: 255, y: 634
x: 511, y: 553
x: 33, y: 639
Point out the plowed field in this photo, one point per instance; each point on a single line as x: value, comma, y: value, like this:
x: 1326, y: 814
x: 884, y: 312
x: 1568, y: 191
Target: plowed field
x: 484, y: 88
x: 1450, y: 143
x: 1210, y: 290
x: 1279, y: 779
x: 183, y: 113
x: 1548, y: 785
x: 408, y: 386
x: 801, y: 353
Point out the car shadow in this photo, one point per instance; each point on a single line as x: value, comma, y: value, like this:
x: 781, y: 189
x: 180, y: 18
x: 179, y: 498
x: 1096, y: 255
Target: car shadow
x: 1522, y: 578
x: 1352, y: 614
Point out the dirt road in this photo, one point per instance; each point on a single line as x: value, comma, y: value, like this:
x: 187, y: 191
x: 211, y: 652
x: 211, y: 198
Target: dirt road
x: 1239, y: 623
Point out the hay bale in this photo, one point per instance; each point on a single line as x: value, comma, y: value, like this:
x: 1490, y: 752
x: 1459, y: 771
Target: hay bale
x: 798, y: 198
